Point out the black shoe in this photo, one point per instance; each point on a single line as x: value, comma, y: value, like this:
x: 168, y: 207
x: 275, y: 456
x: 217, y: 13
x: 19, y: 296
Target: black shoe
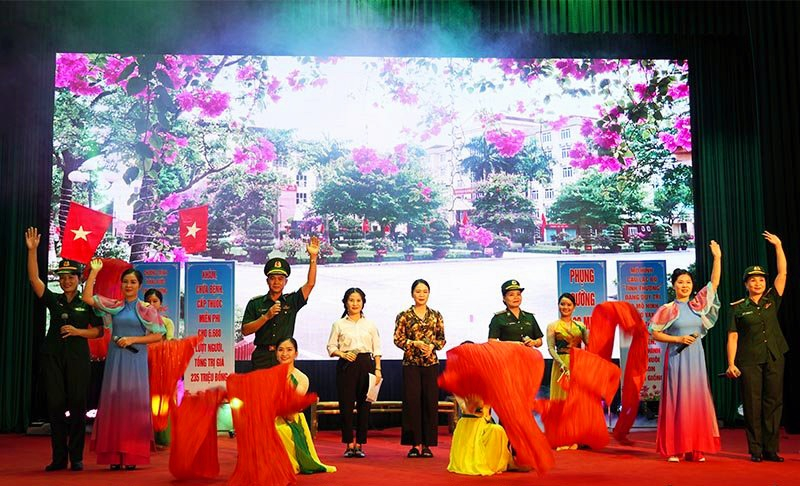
x: 130, y: 467
x: 76, y: 466
x: 115, y: 467
x: 772, y: 457
x: 414, y: 452
x: 755, y: 457
x: 357, y: 452
x: 350, y: 452
x: 426, y: 452
x: 55, y: 466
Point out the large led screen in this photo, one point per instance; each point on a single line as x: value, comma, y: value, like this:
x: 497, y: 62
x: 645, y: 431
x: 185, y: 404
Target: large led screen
x: 464, y: 172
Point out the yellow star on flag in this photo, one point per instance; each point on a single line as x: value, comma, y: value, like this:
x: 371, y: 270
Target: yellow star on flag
x: 80, y: 234
x: 192, y: 230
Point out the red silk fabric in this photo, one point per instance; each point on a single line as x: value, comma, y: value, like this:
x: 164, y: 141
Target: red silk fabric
x: 507, y: 376
x: 257, y: 398
x: 605, y: 319
x: 167, y: 361
x: 193, y: 451
x: 579, y: 419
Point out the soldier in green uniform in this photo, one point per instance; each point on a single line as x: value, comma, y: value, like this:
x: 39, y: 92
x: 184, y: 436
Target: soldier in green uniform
x: 755, y: 353
x: 272, y: 316
x: 513, y: 323
x: 65, y: 357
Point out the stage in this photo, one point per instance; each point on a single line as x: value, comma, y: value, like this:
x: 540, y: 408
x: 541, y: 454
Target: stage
x: 24, y: 458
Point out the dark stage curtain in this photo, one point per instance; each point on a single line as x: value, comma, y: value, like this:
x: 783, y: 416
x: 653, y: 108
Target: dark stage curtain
x: 744, y: 67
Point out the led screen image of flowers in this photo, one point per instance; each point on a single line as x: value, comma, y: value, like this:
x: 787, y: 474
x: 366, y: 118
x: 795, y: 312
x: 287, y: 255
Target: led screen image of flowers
x: 397, y: 162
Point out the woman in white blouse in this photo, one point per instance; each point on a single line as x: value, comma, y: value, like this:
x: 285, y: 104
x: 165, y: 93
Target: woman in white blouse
x: 355, y: 340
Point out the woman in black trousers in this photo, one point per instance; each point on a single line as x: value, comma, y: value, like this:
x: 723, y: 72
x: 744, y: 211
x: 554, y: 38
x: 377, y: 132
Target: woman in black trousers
x: 355, y: 340
x: 419, y: 332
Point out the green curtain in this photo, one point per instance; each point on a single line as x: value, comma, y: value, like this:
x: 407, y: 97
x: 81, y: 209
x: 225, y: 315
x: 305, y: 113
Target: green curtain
x: 744, y: 66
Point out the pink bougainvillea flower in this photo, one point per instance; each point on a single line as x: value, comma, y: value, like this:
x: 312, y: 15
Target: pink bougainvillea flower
x: 475, y: 234
x: 76, y: 73
x: 508, y: 144
x: 257, y: 167
x: 368, y: 161
x: 678, y: 90
x: 644, y: 91
x: 114, y: 67
x: 185, y: 100
x: 559, y: 123
x: 609, y: 163
x: 246, y: 73
x: 171, y: 202
x: 681, y: 138
x: 213, y: 103
x: 179, y: 255
x: 599, y: 66
x: 240, y: 156
x: 273, y: 87
x: 404, y: 95
x: 570, y: 68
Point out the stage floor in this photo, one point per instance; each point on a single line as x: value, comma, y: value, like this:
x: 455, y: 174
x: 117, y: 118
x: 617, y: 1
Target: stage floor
x: 24, y: 457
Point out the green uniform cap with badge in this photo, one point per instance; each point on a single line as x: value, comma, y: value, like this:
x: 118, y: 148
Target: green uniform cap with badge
x: 69, y: 267
x: 753, y: 271
x: 511, y: 285
x: 277, y: 266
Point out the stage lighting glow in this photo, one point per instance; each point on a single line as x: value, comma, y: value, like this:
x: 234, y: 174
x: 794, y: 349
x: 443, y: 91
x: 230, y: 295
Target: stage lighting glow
x: 160, y: 405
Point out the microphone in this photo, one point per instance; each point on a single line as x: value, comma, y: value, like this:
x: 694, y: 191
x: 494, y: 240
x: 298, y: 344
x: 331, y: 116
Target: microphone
x: 64, y: 319
x: 679, y: 348
x: 129, y: 348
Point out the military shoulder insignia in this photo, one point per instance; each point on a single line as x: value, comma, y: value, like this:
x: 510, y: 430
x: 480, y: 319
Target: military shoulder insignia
x: 499, y: 313
x: 737, y: 302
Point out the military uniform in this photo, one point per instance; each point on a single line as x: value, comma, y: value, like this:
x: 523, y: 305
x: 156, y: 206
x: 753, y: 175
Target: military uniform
x: 280, y: 326
x: 505, y: 326
x: 65, y: 366
x: 759, y: 357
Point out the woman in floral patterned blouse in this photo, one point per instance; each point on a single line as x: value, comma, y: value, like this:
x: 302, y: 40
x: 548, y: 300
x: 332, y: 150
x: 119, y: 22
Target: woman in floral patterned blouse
x: 419, y: 332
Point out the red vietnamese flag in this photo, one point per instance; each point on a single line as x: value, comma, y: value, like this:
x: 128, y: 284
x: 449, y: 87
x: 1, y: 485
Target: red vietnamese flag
x: 544, y: 225
x: 83, y: 232
x: 193, y: 224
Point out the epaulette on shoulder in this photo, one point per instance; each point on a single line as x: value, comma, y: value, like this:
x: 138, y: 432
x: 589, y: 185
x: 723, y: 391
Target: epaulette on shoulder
x: 737, y: 302
x: 501, y: 312
x: 257, y: 297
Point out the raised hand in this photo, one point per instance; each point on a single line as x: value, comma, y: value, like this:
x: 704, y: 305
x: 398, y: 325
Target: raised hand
x: 32, y: 238
x: 773, y: 239
x: 313, y: 247
x: 96, y: 264
x: 716, y: 251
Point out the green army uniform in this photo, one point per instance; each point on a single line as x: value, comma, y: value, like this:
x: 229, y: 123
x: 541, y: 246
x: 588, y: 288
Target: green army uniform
x: 759, y: 357
x: 280, y: 326
x: 66, y: 372
x: 505, y: 326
